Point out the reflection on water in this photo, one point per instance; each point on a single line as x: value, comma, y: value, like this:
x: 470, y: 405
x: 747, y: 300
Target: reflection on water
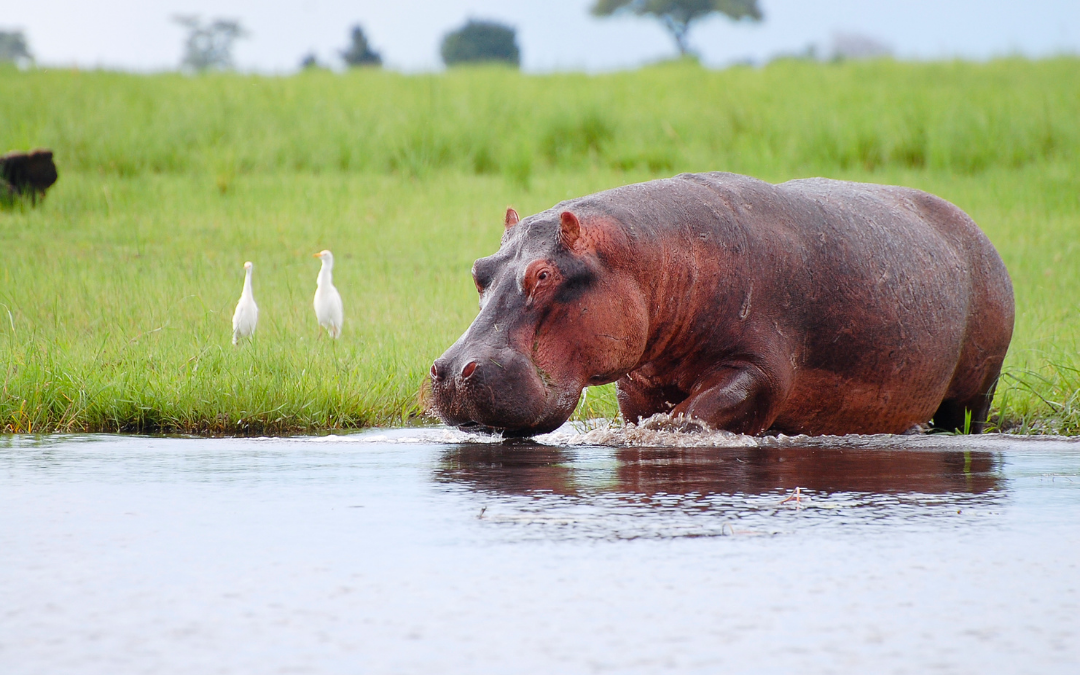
x: 432, y: 551
x: 760, y: 470
x: 690, y: 491
x: 516, y: 469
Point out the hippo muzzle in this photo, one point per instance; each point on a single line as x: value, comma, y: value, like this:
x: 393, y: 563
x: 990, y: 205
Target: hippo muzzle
x: 498, y: 390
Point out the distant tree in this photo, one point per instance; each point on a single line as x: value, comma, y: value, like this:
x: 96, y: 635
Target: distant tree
x: 359, y: 52
x: 678, y: 15
x: 481, y: 41
x: 209, y: 45
x: 310, y: 62
x: 13, y: 48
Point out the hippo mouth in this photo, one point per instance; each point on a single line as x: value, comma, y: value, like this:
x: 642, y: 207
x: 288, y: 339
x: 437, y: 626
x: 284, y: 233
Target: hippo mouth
x: 499, y: 420
x: 477, y: 428
x: 498, y: 394
x: 510, y: 432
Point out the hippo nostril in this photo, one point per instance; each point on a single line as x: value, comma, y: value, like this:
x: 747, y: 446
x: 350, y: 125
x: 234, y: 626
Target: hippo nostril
x: 435, y: 371
x: 468, y: 370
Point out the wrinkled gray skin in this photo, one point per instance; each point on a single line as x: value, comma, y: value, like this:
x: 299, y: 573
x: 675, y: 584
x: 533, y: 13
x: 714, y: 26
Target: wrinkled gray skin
x: 814, y: 306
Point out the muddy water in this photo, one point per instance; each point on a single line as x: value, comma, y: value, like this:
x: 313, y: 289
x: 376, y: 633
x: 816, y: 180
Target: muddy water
x: 435, y: 552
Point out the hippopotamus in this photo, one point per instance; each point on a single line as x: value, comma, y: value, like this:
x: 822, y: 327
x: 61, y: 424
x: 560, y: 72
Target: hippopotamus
x: 813, y: 306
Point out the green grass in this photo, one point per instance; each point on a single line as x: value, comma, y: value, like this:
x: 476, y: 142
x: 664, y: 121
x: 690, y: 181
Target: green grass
x: 116, y: 294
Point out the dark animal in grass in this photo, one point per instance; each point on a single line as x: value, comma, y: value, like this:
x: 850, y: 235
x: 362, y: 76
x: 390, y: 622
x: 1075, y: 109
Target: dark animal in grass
x: 27, y: 174
x: 814, y: 306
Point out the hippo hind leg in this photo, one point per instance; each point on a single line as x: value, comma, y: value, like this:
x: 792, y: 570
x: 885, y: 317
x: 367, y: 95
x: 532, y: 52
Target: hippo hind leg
x: 952, y: 414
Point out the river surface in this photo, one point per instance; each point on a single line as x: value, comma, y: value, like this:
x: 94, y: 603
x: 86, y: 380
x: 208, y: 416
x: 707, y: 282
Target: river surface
x: 431, y: 551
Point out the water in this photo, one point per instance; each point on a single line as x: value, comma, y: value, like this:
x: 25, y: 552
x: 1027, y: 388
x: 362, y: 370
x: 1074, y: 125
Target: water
x: 429, y: 551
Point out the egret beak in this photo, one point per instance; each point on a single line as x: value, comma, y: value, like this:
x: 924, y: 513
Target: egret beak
x: 316, y: 255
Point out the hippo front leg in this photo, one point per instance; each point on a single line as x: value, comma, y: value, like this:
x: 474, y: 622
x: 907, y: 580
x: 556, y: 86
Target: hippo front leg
x: 640, y: 399
x: 742, y: 399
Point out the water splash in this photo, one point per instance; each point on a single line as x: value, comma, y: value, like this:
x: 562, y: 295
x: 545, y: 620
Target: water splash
x: 659, y: 431
x: 667, y: 431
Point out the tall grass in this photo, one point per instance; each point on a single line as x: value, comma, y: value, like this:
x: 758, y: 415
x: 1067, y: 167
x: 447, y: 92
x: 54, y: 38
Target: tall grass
x: 116, y: 293
x: 790, y: 116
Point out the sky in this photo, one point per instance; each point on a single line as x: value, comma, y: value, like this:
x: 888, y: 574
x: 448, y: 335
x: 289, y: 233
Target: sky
x: 553, y: 34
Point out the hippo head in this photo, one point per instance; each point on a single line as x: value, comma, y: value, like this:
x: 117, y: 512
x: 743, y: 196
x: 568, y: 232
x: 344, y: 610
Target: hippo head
x: 557, y: 313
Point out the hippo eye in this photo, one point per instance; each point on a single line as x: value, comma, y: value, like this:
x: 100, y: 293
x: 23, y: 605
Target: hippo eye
x: 539, y: 273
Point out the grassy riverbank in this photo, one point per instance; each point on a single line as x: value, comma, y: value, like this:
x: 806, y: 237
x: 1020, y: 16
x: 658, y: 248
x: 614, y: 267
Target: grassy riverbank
x: 116, y: 294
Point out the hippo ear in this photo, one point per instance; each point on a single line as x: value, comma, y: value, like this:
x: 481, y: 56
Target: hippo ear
x: 512, y: 217
x: 569, y: 229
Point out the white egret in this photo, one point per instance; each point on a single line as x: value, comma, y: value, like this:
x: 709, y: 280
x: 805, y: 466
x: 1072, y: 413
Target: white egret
x: 328, y: 308
x: 247, y: 312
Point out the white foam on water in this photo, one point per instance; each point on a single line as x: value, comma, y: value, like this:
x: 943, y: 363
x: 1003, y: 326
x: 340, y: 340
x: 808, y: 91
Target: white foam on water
x: 659, y: 431
x: 408, y: 436
x: 665, y: 431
